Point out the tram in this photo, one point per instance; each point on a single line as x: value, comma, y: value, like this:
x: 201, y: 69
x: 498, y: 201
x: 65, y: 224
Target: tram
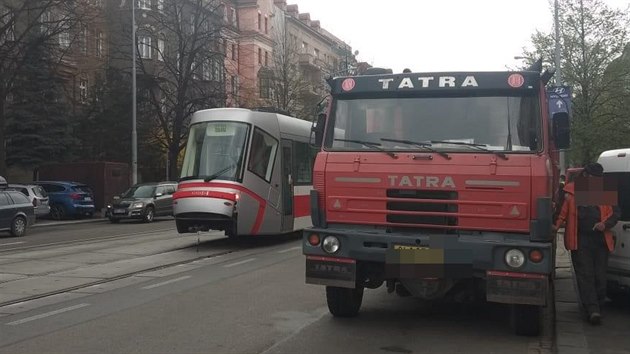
x: 245, y: 172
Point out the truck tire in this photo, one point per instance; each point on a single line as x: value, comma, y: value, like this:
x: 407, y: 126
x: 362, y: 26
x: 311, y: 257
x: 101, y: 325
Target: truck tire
x: 344, y: 302
x: 526, y: 319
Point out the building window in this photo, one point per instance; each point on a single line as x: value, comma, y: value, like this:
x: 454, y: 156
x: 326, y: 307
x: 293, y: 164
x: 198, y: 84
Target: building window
x: 265, y: 86
x: 266, y: 58
x: 205, y: 70
x: 144, y: 47
x: 259, y: 56
x: 225, y: 47
x: 160, y: 44
x: 266, y: 25
x: 234, y: 85
x: 144, y: 4
x: 83, y: 40
x: 46, y: 20
x: 83, y: 90
x: 259, y: 21
x: 316, y: 52
x: 160, y: 5
x: 233, y: 21
x: 304, y: 47
x: 6, y: 20
x: 64, y: 39
x: 99, y: 44
x: 224, y: 12
x: 234, y: 51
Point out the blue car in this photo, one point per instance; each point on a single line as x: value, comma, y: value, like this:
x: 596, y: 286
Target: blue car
x: 68, y: 199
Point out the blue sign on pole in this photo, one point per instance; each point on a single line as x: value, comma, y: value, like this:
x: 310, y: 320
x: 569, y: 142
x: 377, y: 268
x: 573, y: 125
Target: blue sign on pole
x: 559, y: 98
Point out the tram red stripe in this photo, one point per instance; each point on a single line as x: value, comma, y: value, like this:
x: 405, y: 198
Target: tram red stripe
x: 262, y: 203
x: 204, y: 194
x: 301, y: 205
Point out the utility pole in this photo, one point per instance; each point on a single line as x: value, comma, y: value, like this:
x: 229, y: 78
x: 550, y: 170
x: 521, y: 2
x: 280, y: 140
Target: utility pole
x: 558, y: 69
x: 134, y: 133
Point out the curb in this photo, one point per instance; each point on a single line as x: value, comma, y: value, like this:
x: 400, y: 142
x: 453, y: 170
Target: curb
x: 69, y: 222
x: 570, y: 336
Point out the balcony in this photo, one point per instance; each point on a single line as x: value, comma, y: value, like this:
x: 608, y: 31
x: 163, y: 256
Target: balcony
x: 308, y: 60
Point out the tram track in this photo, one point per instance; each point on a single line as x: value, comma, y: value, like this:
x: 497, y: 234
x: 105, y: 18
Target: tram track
x: 82, y: 241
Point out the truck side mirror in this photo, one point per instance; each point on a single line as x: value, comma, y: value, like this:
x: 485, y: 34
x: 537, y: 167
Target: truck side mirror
x: 561, y: 130
x: 318, y: 129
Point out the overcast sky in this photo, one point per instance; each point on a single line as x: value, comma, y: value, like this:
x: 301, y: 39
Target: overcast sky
x: 436, y: 35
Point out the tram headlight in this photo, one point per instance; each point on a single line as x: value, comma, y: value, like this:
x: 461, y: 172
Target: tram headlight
x: 514, y: 258
x: 330, y: 244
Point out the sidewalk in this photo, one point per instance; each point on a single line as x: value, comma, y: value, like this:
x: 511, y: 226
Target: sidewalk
x: 573, y: 334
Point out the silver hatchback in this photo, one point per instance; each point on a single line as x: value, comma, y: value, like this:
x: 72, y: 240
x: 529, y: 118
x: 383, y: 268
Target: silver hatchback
x: 37, y: 195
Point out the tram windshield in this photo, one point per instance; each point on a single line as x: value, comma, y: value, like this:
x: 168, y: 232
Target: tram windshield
x: 215, y: 150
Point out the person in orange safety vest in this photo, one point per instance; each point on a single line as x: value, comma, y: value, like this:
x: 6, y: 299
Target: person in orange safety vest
x: 589, y: 237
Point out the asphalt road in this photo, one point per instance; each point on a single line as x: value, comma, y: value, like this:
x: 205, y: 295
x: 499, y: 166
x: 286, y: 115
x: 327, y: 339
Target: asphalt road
x: 252, y: 300
x: 84, y: 232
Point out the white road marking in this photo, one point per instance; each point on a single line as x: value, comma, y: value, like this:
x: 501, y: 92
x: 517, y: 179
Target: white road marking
x: 291, y: 249
x: 239, y: 263
x: 166, y: 282
x: 12, y: 243
x: 47, y: 314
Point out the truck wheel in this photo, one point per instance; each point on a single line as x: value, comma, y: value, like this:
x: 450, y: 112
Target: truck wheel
x: 526, y: 319
x: 344, y: 302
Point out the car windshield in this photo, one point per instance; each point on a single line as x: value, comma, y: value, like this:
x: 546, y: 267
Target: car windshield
x: 216, y: 150
x: 498, y: 123
x: 140, y: 192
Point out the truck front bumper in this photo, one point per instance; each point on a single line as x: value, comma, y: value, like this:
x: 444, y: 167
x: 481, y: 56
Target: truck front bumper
x: 431, y: 256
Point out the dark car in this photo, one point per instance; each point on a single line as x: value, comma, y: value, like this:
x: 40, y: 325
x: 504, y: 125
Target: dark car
x: 143, y: 201
x: 68, y: 199
x: 16, y: 211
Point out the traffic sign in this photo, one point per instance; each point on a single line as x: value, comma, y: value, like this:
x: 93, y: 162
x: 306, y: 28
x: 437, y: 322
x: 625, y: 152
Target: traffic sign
x: 559, y: 98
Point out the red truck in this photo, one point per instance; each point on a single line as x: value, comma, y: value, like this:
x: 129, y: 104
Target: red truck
x: 438, y: 185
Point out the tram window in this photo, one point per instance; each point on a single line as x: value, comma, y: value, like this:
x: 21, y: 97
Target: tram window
x: 304, y: 158
x: 263, y: 154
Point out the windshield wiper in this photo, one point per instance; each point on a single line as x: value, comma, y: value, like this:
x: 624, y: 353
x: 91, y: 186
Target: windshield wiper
x: 375, y: 146
x: 426, y: 146
x: 476, y: 146
x: 215, y: 175
x: 188, y: 178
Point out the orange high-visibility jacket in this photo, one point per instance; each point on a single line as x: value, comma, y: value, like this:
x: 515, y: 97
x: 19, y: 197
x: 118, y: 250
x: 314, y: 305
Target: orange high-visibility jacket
x: 568, y: 217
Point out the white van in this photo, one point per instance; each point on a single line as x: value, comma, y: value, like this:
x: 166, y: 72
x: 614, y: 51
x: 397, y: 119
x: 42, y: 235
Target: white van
x: 617, y: 163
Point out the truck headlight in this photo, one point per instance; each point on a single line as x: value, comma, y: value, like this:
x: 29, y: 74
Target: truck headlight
x: 514, y: 258
x: 330, y: 244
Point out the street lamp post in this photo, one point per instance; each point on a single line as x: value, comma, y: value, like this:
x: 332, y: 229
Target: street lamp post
x: 558, y: 73
x: 134, y: 133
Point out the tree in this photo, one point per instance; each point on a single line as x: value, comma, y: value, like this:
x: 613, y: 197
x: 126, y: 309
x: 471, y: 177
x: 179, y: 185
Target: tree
x: 284, y: 85
x: 37, y: 120
x: 592, y: 35
x: 28, y: 26
x: 180, y: 61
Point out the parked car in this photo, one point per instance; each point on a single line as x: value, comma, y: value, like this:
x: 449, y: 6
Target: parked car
x: 68, y: 199
x: 143, y: 201
x: 17, y: 213
x: 37, y: 195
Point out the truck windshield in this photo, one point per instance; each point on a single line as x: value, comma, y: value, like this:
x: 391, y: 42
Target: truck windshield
x: 497, y: 123
x: 215, y: 149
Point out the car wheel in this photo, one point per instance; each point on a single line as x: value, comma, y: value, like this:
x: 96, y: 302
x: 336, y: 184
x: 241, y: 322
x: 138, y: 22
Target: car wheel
x: 18, y: 226
x: 149, y: 214
x: 57, y: 212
